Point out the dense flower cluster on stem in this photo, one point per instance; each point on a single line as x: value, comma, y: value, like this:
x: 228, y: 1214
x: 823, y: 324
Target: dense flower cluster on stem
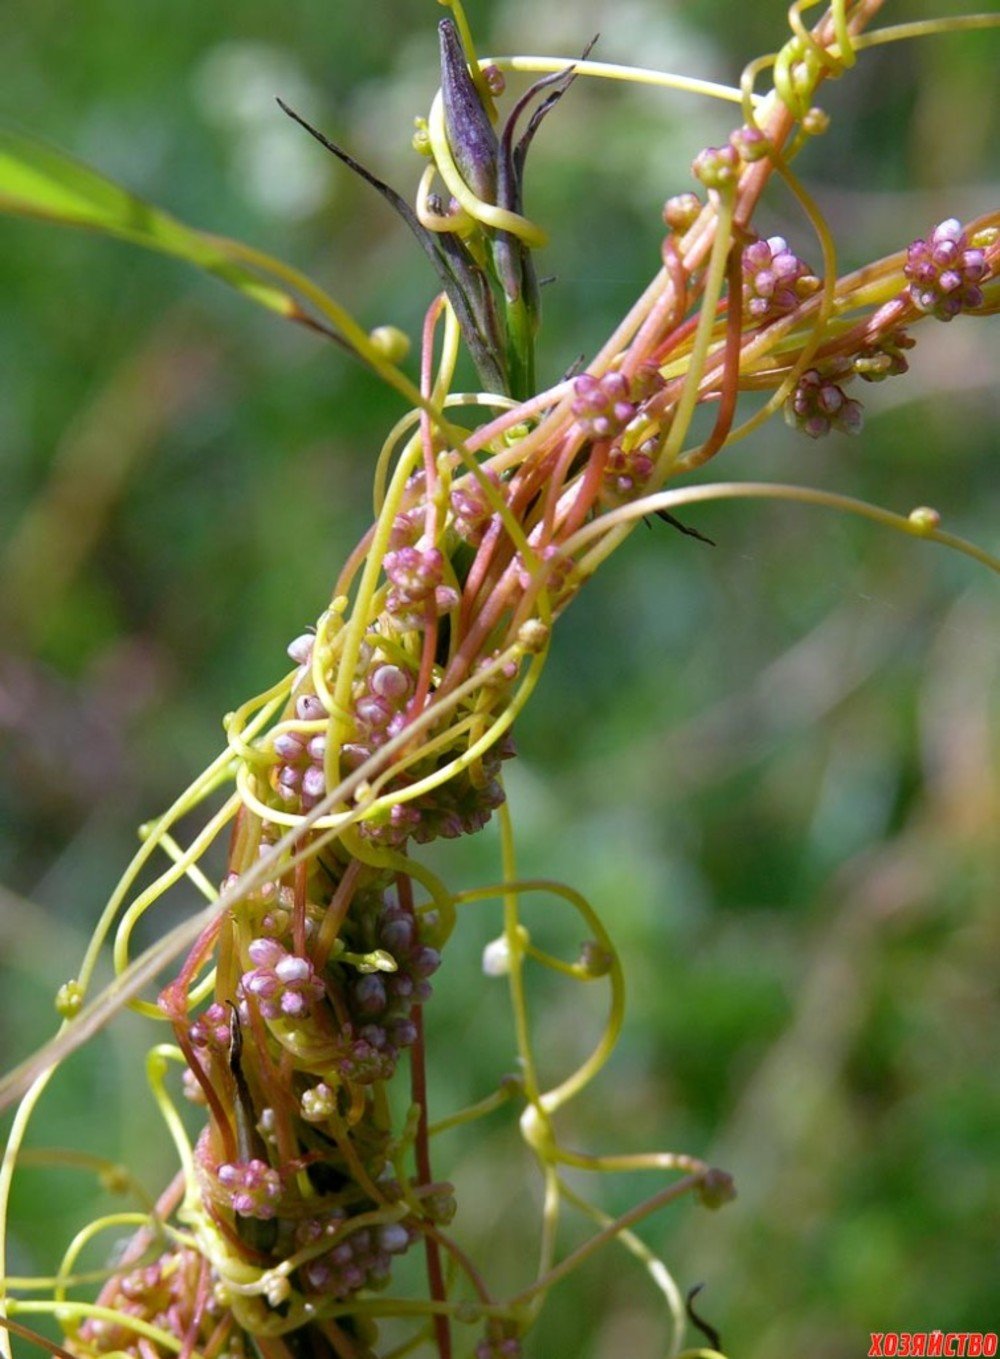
x: 775, y: 280
x: 945, y: 272
x: 818, y: 406
x: 311, y: 1176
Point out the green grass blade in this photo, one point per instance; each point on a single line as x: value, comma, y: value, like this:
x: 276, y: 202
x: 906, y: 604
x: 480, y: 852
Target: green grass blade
x: 38, y: 181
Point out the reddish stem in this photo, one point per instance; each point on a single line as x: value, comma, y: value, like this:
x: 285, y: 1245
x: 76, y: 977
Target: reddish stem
x: 426, y: 673
x: 431, y: 319
x: 335, y: 913
x: 588, y: 488
x: 422, y: 1152
x: 730, y: 362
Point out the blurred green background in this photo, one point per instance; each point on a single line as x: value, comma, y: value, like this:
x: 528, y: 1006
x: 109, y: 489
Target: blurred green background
x: 772, y: 766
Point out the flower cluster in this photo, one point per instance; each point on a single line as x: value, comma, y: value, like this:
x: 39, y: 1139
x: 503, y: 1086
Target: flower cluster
x: 775, y: 280
x: 252, y: 1187
x: 717, y: 167
x: 464, y: 804
x: 415, y: 570
x: 298, y: 776
x: 602, y: 406
x: 818, y: 406
x: 945, y: 271
x: 379, y: 711
x: 461, y: 805
x: 627, y: 471
x: 371, y: 1021
x: 322, y: 967
x: 362, y: 1259
x: 470, y: 511
x: 211, y: 1029
x: 284, y: 985
x: 874, y: 363
x: 418, y: 591
x: 164, y: 1294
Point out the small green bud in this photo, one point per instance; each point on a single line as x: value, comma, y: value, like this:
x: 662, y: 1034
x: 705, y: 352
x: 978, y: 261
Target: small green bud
x: 496, y: 82
x: 717, y: 166
x: 815, y: 121
x: 681, y: 211
x: 276, y: 1287
x: 390, y: 342
x: 512, y: 1084
x: 750, y: 143
x: 318, y: 1103
x: 421, y: 142
x: 924, y: 519
x: 716, y: 1188
x: 115, y: 1179
x: 595, y: 959
x: 69, y: 999
x: 496, y: 958
x: 533, y: 635
x: 376, y: 961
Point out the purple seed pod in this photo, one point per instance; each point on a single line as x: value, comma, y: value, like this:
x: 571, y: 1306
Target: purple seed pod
x: 289, y: 777
x: 446, y: 598
x: 471, y: 137
x: 374, y: 1036
x: 353, y: 755
x: 402, y: 1033
x: 400, y: 985
x: 403, y: 819
x: 265, y: 952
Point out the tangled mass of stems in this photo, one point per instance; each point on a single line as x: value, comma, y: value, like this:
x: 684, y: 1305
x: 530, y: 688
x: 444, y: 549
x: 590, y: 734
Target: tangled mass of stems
x: 300, y: 992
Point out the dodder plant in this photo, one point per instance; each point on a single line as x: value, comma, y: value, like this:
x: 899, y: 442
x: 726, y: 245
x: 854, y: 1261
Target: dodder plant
x: 298, y: 1002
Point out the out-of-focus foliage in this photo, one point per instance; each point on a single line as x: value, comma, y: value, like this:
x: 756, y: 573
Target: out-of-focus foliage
x: 772, y: 765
